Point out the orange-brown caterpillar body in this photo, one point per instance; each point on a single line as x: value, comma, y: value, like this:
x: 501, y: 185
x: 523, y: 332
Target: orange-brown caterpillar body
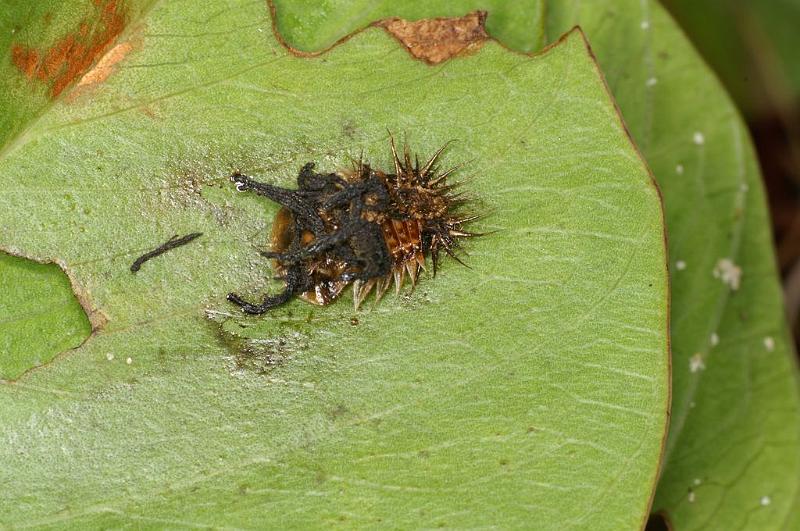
x: 364, y: 226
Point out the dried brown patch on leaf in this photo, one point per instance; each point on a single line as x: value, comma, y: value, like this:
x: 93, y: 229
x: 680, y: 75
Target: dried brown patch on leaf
x: 97, y: 318
x: 149, y: 111
x: 438, y: 39
x: 105, y: 66
x: 73, y: 55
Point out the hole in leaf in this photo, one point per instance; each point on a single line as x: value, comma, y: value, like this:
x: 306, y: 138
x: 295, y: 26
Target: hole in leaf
x: 39, y: 315
x: 658, y: 522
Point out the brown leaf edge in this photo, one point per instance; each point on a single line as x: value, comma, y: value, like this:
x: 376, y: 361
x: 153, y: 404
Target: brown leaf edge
x: 97, y: 318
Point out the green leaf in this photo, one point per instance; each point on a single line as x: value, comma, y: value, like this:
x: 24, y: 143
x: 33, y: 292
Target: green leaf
x: 732, y: 457
x: 39, y: 315
x: 735, y: 424
x: 484, y: 397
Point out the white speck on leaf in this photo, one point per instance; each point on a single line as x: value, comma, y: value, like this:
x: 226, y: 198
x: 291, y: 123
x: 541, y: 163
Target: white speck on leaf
x: 129, y: 361
x: 696, y: 363
x: 691, y: 497
x: 697, y: 481
x: 729, y: 273
x: 714, y: 339
x: 679, y: 169
x: 769, y: 343
x: 645, y: 25
x: 110, y: 356
x: 651, y: 82
x: 765, y: 500
x: 699, y: 138
x: 680, y: 265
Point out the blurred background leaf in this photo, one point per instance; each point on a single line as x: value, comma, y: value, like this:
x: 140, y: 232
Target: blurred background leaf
x: 734, y: 439
x: 751, y: 45
x: 753, y: 48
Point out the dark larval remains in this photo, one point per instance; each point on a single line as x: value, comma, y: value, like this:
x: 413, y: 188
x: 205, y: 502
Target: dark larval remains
x: 363, y: 227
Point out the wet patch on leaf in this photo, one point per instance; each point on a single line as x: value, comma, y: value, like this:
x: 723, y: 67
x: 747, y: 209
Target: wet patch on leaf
x: 262, y: 355
x: 255, y: 353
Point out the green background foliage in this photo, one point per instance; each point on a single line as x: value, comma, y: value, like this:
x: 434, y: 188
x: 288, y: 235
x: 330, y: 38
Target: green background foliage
x: 751, y: 45
x: 734, y: 430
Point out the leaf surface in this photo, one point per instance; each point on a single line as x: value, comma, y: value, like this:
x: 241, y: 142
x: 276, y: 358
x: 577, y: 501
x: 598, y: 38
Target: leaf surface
x: 735, y: 430
x: 732, y: 457
x: 486, y: 395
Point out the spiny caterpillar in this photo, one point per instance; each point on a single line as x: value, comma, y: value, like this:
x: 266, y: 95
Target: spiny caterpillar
x: 361, y: 226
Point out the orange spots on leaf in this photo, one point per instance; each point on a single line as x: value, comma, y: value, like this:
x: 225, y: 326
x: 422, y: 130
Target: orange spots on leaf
x: 71, y: 56
x: 24, y: 59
